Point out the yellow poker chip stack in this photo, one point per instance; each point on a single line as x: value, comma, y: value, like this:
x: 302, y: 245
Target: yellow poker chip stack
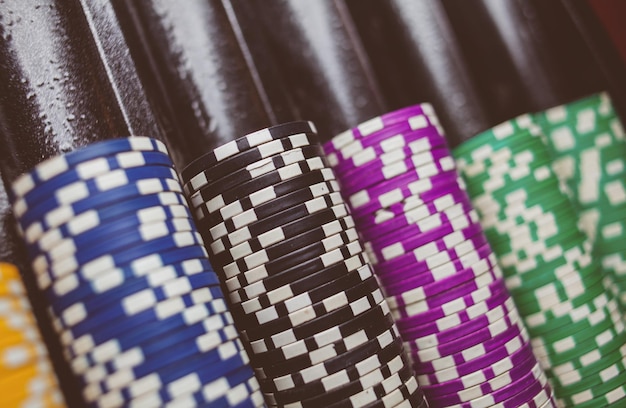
x: 26, y: 375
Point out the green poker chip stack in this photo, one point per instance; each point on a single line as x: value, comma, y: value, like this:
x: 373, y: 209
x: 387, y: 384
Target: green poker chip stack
x: 576, y: 324
x: 587, y: 142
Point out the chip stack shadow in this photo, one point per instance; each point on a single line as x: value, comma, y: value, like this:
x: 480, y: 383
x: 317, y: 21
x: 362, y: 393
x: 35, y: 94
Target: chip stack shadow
x: 467, y: 341
x: 317, y: 326
x: 128, y: 285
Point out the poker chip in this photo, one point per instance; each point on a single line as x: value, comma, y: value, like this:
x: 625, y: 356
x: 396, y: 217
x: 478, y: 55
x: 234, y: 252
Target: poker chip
x: 437, y: 269
x: 127, y: 282
x: 550, y: 264
x: 586, y: 140
x: 302, y: 292
x: 26, y: 375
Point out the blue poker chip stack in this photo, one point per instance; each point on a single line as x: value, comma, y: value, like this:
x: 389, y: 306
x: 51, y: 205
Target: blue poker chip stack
x: 311, y: 312
x: 126, y: 278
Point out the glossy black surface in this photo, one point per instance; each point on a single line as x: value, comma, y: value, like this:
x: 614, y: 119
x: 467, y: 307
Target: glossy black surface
x: 64, y: 81
x: 417, y: 58
x: 313, y: 47
x: 194, y: 57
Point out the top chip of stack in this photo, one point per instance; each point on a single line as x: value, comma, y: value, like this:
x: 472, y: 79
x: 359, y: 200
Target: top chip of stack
x: 468, y: 345
x: 133, y: 298
x: 302, y: 292
x: 576, y: 328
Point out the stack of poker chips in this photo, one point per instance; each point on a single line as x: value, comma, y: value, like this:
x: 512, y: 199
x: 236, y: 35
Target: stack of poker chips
x: 317, y: 326
x: 576, y: 326
x: 26, y: 376
x: 588, y: 146
x: 128, y: 285
x: 467, y: 341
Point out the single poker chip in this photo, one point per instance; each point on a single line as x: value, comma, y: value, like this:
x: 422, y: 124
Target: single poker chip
x: 379, y: 312
x: 364, y: 352
x: 459, y: 306
x: 245, y: 143
x: 415, y: 117
x: 248, y: 157
x: 281, y: 368
x: 223, y: 211
x: 272, y: 282
x: 92, y: 169
x: 288, y: 332
x: 214, y: 200
x: 172, y: 221
x: 265, y: 166
x: 425, y: 337
x: 417, y: 266
x: 278, y: 250
x: 314, y: 312
x: 413, y: 142
x: 185, y: 343
x: 324, y: 342
x: 509, y: 388
x: 473, y: 358
x: 145, y: 311
x: 91, y: 350
x: 424, y: 165
x: 227, y: 357
x: 63, y: 214
x: 396, y: 397
x: 439, y: 272
x: 262, y: 309
x: 58, y: 165
x: 283, y: 219
x: 44, y: 234
x: 207, y: 367
x: 196, y: 287
x: 459, y: 220
x: 484, y: 271
x: 520, y: 128
x: 454, y: 243
x: 392, y: 149
x: 121, y: 258
x: 236, y: 389
x: 298, y: 256
x: 80, y: 190
x: 402, y: 187
x: 168, y: 280
x: 267, y: 244
x: 271, y: 207
x: 73, y: 287
x: 337, y: 387
x: 414, y: 208
x: 416, y: 220
x: 91, y: 221
x: 516, y: 345
x: 67, y: 261
x: 498, y: 373
x: 297, y: 291
x: 433, y: 355
x: 300, y: 247
x: 495, y: 306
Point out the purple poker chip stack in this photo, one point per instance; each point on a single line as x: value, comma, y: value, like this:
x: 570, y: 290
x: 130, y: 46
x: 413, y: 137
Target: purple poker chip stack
x: 467, y: 342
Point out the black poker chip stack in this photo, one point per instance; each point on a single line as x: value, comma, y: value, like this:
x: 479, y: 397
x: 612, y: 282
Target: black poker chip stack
x: 303, y: 295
